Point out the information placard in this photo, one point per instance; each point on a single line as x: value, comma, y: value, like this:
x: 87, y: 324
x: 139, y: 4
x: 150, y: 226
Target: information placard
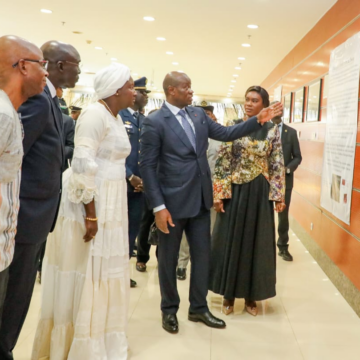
x: 341, y: 129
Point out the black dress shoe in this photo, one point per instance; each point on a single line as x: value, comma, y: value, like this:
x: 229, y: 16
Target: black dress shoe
x: 132, y: 283
x: 286, y: 255
x: 181, y: 274
x: 170, y: 323
x: 208, y: 319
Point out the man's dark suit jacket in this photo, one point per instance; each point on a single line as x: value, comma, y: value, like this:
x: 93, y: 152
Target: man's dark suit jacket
x: 69, y: 134
x: 292, y: 154
x: 173, y: 173
x: 41, y: 168
x: 133, y: 130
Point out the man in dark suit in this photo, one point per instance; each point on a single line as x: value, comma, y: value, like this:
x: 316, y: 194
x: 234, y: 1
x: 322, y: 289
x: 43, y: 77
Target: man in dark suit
x: 63, y: 106
x: 69, y: 134
x: 40, y: 187
x: 133, y: 119
x: 75, y: 112
x: 177, y: 183
x: 292, y: 159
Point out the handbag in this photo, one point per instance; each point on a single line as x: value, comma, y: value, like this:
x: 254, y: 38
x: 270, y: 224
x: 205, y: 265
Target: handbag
x: 153, y: 238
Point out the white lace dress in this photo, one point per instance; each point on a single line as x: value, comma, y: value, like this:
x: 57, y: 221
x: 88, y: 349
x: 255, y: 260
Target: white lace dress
x: 86, y: 285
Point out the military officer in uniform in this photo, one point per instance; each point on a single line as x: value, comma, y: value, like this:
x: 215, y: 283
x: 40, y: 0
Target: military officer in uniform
x: 133, y: 119
x: 75, y: 112
x: 63, y: 106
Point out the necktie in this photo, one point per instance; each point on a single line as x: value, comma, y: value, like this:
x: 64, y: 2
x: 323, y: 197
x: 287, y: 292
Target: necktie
x: 136, y: 115
x: 280, y: 128
x: 188, y: 129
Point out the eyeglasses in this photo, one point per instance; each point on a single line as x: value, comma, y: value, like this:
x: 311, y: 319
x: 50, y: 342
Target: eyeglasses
x: 73, y: 63
x: 43, y: 63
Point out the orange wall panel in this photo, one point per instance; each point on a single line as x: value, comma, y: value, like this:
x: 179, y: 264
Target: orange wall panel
x: 307, y: 62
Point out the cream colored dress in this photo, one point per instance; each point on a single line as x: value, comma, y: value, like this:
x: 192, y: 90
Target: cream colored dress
x: 86, y: 285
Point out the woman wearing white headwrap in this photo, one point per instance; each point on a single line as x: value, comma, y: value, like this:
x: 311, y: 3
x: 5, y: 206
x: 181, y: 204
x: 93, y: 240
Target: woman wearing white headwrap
x: 86, y: 273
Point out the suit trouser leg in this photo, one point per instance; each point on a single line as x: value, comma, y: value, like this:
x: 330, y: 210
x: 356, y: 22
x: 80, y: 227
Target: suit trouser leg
x: 198, y: 234
x: 143, y: 248
x: 22, y: 275
x: 4, y: 277
x: 168, y: 251
x: 283, y: 226
x: 135, y: 206
x: 184, y: 253
x: 42, y: 254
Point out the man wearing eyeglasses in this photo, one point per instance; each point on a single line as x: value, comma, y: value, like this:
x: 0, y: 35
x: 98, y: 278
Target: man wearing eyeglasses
x: 40, y: 189
x: 16, y: 86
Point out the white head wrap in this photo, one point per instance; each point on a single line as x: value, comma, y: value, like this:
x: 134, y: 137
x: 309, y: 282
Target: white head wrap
x: 108, y: 80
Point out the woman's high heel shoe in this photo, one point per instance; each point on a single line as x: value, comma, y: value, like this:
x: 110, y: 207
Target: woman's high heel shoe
x: 228, y: 307
x: 251, y: 307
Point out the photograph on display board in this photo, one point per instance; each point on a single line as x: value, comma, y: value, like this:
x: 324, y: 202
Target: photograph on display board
x: 298, y: 110
x: 287, y: 108
x: 313, y: 103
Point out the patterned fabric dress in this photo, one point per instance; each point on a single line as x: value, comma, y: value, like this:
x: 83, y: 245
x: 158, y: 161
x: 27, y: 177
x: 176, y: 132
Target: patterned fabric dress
x: 86, y: 285
x: 249, y: 176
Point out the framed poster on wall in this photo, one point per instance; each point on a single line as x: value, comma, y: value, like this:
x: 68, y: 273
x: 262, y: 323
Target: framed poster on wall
x: 298, y: 111
x: 287, y: 108
x: 313, y: 103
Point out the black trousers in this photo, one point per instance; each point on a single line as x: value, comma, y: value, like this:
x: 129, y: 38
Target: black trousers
x: 143, y: 248
x: 22, y: 275
x: 197, y: 230
x: 283, y: 226
x: 135, y: 207
x: 4, y: 277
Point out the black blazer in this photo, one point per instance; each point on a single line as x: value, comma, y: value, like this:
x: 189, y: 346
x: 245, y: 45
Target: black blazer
x: 292, y: 153
x: 173, y: 173
x: 133, y: 130
x: 69, y: 133
x: 41, y: 168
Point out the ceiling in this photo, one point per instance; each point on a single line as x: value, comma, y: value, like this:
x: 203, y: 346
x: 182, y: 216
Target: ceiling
x: 204, y: 35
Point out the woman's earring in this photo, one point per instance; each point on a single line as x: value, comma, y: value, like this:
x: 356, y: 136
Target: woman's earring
x: 117, y: 94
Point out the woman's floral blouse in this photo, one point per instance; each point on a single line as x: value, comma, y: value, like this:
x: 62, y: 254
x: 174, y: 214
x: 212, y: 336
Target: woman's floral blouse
x: 242, y: 160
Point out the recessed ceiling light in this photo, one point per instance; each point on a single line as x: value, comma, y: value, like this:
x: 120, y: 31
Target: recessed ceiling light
x: 235, y: 75
x: 241, y: 58
x: 169, y: 53
x: 98, y: 48
x: 135, y: 74
x: 160, y: 39
x: 113, y: 59
x: 238, y: 68
x: 148, y: 18
x: 252, y: 26
x: 45, y: 11
x: 175, y: 63
x: 234, y: 81
x: 245, y: 45
x: 232, y: 85
x: 180, y: 71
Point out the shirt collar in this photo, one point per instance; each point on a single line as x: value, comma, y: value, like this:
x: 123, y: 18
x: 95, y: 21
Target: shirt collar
x: 51, y: 87
x: 174, y: 109
x: 132, y: 111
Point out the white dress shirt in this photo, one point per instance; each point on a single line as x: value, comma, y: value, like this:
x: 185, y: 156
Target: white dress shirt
x: 51, y: 87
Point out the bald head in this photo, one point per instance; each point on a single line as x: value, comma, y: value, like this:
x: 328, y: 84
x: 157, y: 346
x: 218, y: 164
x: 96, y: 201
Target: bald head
x: 64, y: 63
x: 22, y: 69
x: 55, y: 51
x: 12, y: 49
x: 177, y: 88
x: 173, y: 79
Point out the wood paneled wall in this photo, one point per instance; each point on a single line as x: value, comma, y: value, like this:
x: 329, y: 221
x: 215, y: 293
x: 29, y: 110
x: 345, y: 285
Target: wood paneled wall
x: 309, y: 61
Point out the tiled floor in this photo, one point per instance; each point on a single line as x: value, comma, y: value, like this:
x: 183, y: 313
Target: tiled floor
x: 308, y: 320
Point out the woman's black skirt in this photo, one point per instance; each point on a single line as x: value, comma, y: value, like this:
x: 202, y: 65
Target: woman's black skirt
x: 243, y: 250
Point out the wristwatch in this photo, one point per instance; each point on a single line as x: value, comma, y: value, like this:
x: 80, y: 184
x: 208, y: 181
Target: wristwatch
x: 288, y: 170
x: 130, y: 178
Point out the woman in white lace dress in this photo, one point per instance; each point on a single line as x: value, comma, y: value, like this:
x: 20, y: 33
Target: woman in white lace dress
x: 86, y: 266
